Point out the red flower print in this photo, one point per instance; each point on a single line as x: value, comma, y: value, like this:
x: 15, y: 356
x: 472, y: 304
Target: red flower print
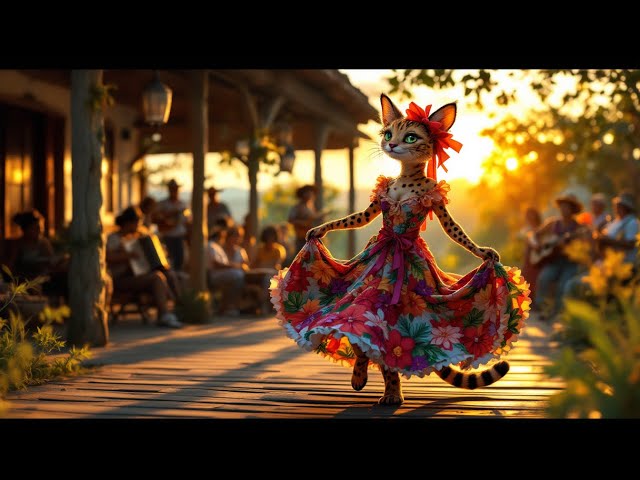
x: 369, y: 297
x: 460, y: 308
x: 333, y: 345
x: 398, y: 350
x: 477, y: 341
x: 352, y: 319
x: 298, y: 281
x: 391, y: 313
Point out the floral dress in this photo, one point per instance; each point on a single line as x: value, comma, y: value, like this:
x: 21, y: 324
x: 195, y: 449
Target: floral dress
x: 394, y: 303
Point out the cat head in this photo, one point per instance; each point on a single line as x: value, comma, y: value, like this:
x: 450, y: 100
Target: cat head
x: 409, y: 141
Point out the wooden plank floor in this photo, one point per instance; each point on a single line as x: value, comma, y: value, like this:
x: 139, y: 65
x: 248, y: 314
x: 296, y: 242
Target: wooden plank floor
x: 239, y: 368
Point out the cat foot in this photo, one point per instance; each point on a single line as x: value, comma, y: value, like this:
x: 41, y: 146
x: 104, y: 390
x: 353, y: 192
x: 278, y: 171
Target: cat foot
x: 360, y: 375
x: 391, y: 399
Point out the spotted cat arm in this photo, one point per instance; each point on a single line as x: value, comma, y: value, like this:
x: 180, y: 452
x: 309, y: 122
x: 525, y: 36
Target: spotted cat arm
x: 355, y: 220
x: 457, y: 234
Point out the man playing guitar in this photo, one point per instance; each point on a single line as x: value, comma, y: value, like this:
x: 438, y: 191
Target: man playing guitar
x: 557, y: 268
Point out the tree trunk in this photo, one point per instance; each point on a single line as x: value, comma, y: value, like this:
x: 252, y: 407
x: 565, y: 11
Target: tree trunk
x: 87, y: 293
x: 252, y: 221
x: 322, y: 132
x: 200, y: 117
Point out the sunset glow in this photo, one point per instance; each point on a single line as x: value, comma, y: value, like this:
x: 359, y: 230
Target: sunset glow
x: 370, y: 161
x: 512, y: 164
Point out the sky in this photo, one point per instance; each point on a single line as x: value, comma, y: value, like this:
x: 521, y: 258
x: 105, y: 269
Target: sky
x: 369, y: 163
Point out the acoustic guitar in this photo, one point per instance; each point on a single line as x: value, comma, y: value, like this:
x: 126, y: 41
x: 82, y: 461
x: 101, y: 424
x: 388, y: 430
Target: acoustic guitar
x: 551, y: 245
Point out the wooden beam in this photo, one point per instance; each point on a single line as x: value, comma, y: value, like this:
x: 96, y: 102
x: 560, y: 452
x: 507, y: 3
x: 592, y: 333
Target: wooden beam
x: 297, y: 92
x: 200, y: 116
x: 322, y: 132
x: 271, y: 110
x: 351, y: 234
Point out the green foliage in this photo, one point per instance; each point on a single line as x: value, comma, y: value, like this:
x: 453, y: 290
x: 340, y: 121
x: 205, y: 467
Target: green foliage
x: 32, y: 358
x: 586, y: 132
x: 101, y: 96
x: 194, y: 307
x: 600, y: 360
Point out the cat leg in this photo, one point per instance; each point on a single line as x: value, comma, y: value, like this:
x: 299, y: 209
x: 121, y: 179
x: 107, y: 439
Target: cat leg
x: 360, y: 369
x: 392, y: 388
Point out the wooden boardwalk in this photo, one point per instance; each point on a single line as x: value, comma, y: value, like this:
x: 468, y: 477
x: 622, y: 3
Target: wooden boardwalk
x: 240, y: 368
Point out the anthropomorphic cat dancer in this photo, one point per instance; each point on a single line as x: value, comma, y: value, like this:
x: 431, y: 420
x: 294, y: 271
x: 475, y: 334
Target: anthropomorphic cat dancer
x: 391, y: 305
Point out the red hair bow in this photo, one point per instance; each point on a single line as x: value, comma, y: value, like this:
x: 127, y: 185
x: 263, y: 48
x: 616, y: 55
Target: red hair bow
x: 441, y: 138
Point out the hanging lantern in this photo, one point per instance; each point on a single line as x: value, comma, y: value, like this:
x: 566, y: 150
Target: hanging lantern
x: 287, y: 159
x: 156, y: 102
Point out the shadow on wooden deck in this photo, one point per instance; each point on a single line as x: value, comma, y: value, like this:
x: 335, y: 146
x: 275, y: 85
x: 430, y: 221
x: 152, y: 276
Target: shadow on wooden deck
x: 241, y: 368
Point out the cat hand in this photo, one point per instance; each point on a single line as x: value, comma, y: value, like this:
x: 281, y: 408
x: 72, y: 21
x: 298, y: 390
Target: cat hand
x: 488, y: 253
x: 317, y: 232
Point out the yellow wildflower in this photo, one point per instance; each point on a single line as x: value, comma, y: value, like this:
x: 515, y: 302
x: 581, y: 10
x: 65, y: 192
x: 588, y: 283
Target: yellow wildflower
x: 614, y: 265
x: 579, y: 251
x: 596, y: 280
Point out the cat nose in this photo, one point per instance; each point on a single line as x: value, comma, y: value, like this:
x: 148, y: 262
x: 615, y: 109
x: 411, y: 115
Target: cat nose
x: 393, y: 145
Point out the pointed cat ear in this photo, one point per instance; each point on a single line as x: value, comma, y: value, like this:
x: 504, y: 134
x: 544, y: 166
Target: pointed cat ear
x: 389, y: 111
x: 446, y: 115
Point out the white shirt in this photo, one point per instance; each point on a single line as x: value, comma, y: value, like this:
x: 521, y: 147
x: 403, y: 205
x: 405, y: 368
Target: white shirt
x: 113, y: 243
x: 626, y: 228
x: 174, y: 210
x: 216, y: 253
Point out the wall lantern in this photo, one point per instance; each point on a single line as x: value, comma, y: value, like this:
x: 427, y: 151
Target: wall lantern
x: 156, y: 102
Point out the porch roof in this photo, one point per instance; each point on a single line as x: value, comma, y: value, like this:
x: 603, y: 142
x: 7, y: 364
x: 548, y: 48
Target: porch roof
x: 311, y: 98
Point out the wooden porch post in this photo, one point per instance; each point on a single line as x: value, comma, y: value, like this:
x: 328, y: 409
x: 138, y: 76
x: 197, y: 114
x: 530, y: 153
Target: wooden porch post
x: 351, y: 239
x: 200, y: 124
x: 322, y: 132
x: 87, y: 293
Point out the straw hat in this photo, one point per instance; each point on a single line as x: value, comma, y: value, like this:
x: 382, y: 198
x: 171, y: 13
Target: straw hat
x: 572, y: 200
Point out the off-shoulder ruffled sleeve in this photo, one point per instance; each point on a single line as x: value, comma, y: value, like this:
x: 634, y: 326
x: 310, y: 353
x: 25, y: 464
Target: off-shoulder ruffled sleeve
x: 437, y: 195
x: 382, y: 184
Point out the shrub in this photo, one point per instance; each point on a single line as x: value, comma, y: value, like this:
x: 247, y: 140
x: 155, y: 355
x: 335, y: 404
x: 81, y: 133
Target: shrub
x: 25, y: 358
x: 194, y: 307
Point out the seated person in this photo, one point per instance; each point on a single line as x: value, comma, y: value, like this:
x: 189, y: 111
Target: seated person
x: 156, y: 282
x: 270, y: 253
x: 236, y: 253
x: 221, y: 275
x: 34, y: 256
x: 258, y: 296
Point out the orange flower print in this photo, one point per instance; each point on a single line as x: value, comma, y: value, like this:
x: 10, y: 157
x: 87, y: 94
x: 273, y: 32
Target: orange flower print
x: 322, y: 271
x: 312, y: 306
x: 413, y: 303
x: 385, y: 285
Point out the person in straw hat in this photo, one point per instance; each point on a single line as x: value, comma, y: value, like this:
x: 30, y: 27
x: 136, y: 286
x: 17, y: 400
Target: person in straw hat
x: 216, y: 209
x: 557, y: 269
x: 170, y: 217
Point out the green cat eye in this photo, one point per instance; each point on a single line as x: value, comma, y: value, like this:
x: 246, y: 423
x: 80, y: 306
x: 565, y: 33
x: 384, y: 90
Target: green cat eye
x: 411, y: 138
x: 387, y: 136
